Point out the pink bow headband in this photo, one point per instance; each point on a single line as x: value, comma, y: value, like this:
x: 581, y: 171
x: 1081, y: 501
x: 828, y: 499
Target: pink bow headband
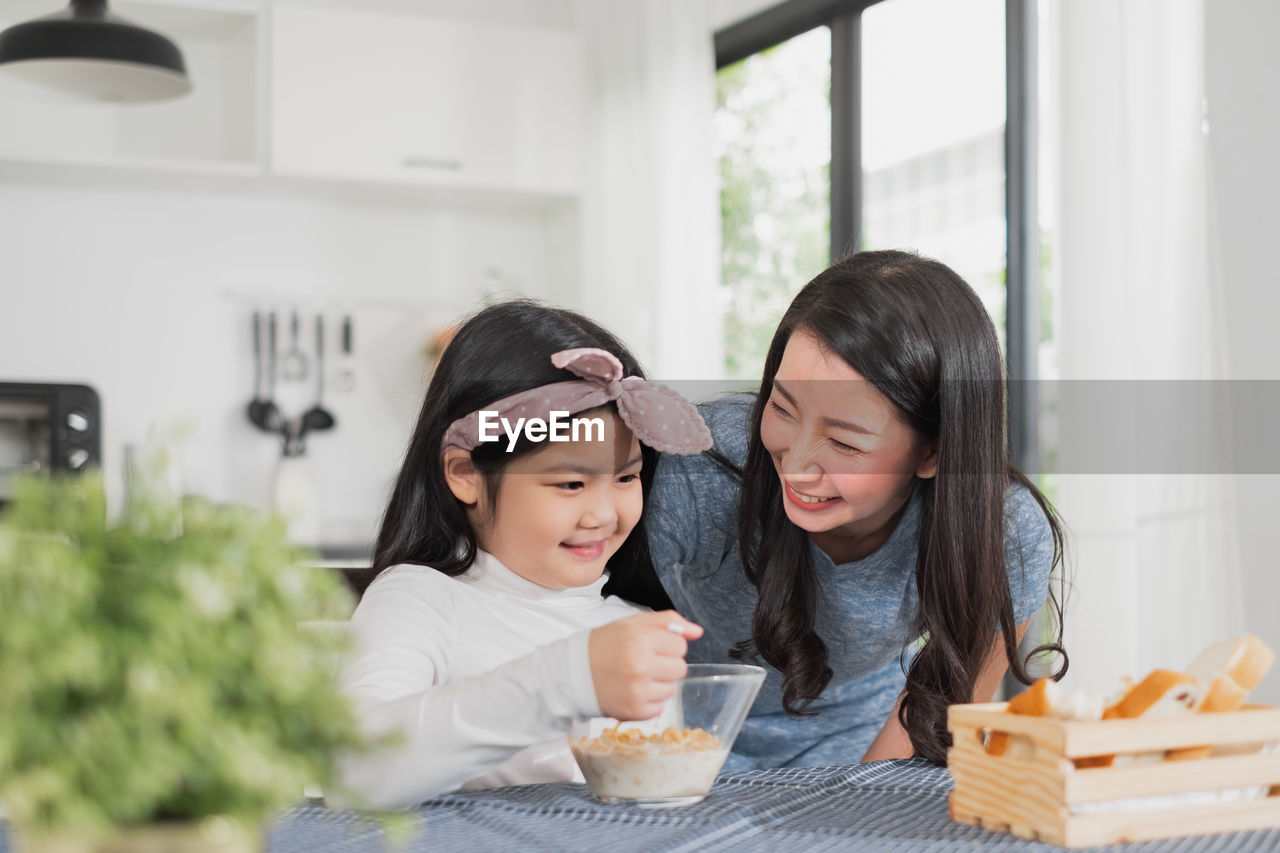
x: 657, y: 415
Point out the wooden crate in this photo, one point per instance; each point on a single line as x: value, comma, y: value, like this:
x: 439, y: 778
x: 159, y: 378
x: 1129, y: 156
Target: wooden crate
x: 1032, y: 790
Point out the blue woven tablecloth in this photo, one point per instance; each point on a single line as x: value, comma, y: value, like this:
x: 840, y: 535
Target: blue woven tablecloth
x: 889, y: 805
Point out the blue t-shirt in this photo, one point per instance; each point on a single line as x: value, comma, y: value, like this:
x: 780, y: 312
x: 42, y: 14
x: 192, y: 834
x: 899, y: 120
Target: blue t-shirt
x: 866, y: 608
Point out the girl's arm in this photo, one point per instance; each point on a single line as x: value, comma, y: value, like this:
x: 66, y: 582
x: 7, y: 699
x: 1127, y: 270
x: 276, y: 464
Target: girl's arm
x: 447, y: 731
x: 893, y: 742
x: 451, y: 731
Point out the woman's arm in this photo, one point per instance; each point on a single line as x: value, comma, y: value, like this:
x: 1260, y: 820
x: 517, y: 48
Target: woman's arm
x: 893, y: 742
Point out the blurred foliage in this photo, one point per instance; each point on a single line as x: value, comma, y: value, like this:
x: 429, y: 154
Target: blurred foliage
x: 153, y: 669
x: 773, y: 119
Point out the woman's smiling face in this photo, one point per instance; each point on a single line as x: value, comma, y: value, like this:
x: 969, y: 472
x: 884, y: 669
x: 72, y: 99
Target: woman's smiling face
x: 845, y: 458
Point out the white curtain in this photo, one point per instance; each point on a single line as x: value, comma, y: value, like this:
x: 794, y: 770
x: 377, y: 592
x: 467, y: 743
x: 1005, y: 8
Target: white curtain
x: 1156, y: 568
x: 1244, y: 121
x: 650, y: 216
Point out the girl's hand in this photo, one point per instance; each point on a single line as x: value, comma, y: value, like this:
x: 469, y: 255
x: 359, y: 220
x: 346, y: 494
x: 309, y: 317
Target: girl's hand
x: 636, y: 662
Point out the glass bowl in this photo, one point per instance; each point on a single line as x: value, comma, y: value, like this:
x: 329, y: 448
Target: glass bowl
x: 673, y: 759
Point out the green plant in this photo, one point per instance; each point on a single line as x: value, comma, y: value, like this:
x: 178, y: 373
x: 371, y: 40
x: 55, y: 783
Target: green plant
x: 152, y: 669
x: 774, y: 190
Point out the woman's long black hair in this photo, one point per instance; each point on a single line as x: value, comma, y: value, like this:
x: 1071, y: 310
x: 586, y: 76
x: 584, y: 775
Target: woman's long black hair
x: 501, y: 350
x: 913, y: 328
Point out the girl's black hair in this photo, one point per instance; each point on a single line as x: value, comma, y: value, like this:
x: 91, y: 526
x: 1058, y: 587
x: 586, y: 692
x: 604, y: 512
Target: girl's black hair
x: 919, y: 333
x: 501, y: 350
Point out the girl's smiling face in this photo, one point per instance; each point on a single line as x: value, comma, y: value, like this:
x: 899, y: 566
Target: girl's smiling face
x: 563, y: 510
x: 845, y: 458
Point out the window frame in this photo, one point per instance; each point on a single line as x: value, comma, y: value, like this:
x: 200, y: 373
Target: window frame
x: 788, y: 19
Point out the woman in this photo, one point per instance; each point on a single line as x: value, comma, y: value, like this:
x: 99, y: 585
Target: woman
x: 858, y: 526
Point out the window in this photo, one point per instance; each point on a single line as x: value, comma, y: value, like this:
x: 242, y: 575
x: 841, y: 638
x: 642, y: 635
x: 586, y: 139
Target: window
x: 773, y: 123
x: 929, y: 145
x: 933, y: 143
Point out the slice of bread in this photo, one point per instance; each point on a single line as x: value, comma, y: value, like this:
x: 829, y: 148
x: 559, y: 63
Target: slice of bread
x: 1163, y: 693
x: 1230, y: 670
x: 1035, y: 701
x: 1223, y: 694
x: 1243, y: 661
x: 1219, y: 679
x: 1045, y: 698
x: 1038, y: 700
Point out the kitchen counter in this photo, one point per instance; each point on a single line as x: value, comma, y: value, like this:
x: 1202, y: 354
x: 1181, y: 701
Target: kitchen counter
x: 344, y: 556
x: 347, y: 559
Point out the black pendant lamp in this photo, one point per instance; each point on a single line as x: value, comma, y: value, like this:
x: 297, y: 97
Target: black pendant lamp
x: 85, y: 53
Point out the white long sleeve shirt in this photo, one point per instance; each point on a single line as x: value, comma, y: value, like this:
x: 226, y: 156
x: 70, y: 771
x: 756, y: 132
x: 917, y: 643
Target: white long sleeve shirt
x: 482, y: 675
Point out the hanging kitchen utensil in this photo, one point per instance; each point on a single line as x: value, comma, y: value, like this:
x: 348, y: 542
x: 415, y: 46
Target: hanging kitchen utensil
x: 292, y: 438
x: 262, y: 411
x: 317, y: 418
x: 294, y: 366
x: 344, y: 378
x: 272, y: 350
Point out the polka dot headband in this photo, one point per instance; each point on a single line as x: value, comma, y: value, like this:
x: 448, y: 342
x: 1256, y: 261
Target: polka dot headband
x: 658, y: 416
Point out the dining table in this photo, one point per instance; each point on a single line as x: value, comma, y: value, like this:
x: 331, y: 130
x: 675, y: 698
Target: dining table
x: 898, y: 805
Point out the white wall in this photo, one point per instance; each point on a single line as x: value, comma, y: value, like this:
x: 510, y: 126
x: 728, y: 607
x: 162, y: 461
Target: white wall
x: 146, y: 295
x: 650, y: 211
x: 144, y: 288
x: 1244, y: 123
x: 513, y: 13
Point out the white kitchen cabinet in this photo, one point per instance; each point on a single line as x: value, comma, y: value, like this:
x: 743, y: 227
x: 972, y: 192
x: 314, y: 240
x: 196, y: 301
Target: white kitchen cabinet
x: 216, y: 129
x: 404, y: 99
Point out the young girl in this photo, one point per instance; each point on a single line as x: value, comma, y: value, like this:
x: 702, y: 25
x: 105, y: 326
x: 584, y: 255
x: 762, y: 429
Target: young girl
x: 492, y: 624
x: 859, y: 526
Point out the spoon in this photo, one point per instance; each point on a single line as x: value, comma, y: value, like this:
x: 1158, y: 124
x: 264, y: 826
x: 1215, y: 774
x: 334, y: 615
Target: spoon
x: 345, y: 378
x: 262, y: 411
x: 295, y: 362
x: 318, y: 418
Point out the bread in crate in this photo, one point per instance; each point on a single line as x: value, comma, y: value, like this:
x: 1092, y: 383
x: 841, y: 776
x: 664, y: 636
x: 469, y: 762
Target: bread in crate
x: 1168, y: 756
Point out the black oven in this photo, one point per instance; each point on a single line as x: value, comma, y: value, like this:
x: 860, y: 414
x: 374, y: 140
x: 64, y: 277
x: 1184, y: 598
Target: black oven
x: 47, y: 427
